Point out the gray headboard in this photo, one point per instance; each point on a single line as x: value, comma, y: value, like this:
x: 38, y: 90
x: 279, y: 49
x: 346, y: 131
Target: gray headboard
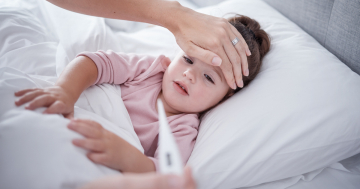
x: 335, y: 24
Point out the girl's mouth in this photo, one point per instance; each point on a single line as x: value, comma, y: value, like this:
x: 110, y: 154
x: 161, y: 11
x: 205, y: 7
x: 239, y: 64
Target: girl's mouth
x: 180, y: 88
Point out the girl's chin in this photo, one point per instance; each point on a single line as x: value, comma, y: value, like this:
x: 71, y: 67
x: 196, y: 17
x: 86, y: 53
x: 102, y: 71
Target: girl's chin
x: 177, y: 106
x: 180, y: 104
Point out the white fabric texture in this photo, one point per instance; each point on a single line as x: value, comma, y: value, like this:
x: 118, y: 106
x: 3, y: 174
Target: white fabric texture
x: 297, y: 117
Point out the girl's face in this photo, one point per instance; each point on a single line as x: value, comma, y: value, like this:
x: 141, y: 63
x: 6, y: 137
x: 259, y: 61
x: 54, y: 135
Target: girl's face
x: 192, y: 86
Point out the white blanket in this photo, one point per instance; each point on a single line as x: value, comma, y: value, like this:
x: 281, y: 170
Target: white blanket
x: 36, y: 149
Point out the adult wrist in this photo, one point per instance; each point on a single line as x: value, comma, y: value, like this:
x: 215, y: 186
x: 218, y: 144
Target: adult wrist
x: 171, y: 18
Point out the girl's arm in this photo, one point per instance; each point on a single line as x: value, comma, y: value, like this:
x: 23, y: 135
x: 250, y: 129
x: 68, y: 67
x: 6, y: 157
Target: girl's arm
x: 61, y: 98
x: 80, y: 74
x: 87, y: 69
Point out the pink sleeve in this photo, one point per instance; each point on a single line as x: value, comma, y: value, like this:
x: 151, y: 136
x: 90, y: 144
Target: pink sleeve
x: 185, y: 136
x: 118, y: 68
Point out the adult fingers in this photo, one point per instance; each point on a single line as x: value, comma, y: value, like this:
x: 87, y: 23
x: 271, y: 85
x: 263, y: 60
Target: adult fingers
x: 136, y: 181
x: 40, y: 101
x: 152, y: 181
x: 28, y: 96
x: 84, y: 129
x: 189, y: 180
x: 235, y: 59
x: 108, y: 182
x: 89, y: 144
x: 22, y: 92
x: 241, y: 39
x: 204, y: 55
x: 243, y: 50
x: 227, y: 69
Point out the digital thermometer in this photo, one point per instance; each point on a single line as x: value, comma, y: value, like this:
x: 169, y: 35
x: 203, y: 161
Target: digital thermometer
x: 169, y: 156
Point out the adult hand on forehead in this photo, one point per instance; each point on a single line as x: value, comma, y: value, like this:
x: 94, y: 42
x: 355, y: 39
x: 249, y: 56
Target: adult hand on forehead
x: 204, y: 37
x: 209, y: 39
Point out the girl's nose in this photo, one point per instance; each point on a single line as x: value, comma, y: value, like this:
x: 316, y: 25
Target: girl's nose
x: 190, y: 75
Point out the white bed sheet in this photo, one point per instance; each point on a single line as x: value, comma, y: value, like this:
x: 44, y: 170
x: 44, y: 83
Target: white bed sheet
x: 70, y: 32
x: 343, y: 175
x: 335, y: 176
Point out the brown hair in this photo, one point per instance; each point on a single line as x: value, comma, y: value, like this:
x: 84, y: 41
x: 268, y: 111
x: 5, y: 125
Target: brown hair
x: 258, y: 42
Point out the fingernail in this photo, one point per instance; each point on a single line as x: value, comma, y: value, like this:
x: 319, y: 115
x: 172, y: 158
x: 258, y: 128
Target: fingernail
x: 247, y: 72
x: 234, y: 86
x: 248, y: 52
x: 241, y: 84
x: 216, y: 61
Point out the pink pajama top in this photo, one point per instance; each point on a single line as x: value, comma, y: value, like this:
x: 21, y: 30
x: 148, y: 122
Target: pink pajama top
x: 140, y: 78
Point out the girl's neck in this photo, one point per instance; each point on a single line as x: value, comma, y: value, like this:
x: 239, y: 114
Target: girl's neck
x: 169, y: 111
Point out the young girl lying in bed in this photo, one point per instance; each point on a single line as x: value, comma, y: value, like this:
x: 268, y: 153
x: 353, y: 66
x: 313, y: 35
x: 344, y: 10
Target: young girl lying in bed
x: 186, y: 86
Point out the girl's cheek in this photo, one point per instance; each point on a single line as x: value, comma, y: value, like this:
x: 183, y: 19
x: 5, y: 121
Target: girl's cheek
x: 202, y: 93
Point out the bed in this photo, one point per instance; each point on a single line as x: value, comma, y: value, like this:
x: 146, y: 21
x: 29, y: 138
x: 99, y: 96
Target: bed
x: 296, y: 126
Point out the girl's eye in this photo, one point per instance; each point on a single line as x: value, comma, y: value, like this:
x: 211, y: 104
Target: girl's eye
x: 208, y: 78
x: 187, y: 60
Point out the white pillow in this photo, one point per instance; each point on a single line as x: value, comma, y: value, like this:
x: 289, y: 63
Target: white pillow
x: 301, y: 113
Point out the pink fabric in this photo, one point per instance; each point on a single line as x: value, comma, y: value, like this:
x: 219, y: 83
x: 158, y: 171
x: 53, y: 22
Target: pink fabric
x: 140, y: 77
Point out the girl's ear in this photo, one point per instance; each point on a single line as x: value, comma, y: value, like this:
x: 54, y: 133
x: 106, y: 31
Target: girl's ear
x: 166, y: 62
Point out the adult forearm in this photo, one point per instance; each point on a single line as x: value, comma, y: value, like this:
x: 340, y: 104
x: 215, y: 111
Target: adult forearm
x: 80, y: 74
x: 158, y: 12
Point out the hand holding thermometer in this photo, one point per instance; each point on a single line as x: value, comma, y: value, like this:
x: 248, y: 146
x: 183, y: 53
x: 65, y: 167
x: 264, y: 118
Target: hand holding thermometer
x: 169, y: 157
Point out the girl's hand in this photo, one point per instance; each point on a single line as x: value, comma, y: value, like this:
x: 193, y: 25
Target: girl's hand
x: 55, y: 98
x: 105, y: 147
